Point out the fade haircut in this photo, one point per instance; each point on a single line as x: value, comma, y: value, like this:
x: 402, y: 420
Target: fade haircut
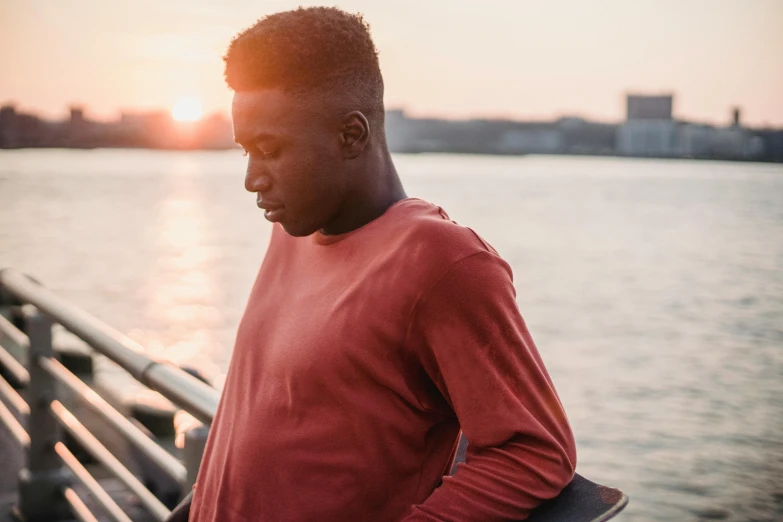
x: 316, y: 49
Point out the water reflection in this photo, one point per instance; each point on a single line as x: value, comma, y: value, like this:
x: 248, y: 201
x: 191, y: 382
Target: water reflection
x: 180, y: 293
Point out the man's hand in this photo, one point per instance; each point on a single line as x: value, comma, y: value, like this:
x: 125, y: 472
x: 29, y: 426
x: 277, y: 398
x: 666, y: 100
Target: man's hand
x: 182, y: 511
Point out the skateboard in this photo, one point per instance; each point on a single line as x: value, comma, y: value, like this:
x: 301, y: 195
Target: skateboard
x: 580, y: 501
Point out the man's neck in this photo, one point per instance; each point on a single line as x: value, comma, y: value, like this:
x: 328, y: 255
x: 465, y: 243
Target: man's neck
x: 378, y: 189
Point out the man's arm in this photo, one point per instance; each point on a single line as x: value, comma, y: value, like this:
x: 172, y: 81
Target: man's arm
x: 473, y: 343
x: 182, y: 511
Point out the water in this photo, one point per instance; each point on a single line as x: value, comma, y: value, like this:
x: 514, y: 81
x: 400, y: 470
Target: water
x: 654, y: 290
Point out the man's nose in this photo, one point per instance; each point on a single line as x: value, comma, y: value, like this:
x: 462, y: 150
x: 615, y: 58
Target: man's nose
x: 256, y: 180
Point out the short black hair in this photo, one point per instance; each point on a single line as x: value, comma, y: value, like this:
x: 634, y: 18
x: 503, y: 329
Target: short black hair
x: 308, y: 49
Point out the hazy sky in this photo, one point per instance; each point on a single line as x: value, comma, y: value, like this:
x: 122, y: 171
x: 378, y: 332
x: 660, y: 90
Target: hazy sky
x: 495, y: 58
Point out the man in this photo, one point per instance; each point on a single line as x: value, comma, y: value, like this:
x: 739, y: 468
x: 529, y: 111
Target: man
x: 377, y: 328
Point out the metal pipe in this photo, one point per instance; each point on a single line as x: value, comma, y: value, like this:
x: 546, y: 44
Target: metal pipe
x: 83, y: 476
x: 78, y: 507
x: 12, y: 332
x: 17, y: 430
x: 111, y: 343
x: 9, y: 362
x: 14, y: 399
x: 99, y: 451
x: 167, y: 462
x: 182, y: 389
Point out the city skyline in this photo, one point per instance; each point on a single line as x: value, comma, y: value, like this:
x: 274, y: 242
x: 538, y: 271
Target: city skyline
x: 650, y: 130
x: 187, y: 109
x: 452, y: 60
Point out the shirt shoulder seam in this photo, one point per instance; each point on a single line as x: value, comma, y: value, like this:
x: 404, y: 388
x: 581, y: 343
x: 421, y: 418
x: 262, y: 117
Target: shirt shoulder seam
x: 431, y: 286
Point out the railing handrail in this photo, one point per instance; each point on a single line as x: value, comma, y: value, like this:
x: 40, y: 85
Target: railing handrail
x: 42, y: 415
x: 129, y: 431
x: 9, y: 330
x: 181, y: 388
x: 14, y: 367
x: 99, y: 494
x: 68, y: 421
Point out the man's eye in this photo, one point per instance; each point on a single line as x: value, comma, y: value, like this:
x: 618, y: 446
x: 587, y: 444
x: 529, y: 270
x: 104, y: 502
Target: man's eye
x: 260, y: 153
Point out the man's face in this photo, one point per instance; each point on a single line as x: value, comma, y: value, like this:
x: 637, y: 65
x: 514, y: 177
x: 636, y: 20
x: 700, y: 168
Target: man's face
x: 295, y: 165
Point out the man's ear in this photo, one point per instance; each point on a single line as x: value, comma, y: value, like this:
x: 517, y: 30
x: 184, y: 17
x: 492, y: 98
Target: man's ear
x: 354, y: 134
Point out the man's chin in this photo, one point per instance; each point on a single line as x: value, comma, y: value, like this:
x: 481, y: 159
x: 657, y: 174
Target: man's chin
x: 296, y: 231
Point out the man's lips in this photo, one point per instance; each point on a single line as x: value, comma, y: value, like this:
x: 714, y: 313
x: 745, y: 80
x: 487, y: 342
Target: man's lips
x: 272, y: 210
x: 268, y: 205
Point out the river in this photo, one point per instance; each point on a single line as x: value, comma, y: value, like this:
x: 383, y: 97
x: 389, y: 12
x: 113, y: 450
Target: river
x: 653, y: 288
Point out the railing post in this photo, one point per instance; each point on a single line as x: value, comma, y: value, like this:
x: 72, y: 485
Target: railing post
x: 195, y: 441
x: 41, y: 482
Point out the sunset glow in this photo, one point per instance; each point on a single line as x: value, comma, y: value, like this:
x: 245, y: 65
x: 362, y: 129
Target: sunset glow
x: 187, y: 109
x: 527, y: 60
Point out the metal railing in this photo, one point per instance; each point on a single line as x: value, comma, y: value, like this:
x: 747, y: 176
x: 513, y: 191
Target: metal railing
x: 35, y: 415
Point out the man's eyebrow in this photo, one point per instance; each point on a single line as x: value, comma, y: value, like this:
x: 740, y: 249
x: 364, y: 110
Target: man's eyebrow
x: 262, y: 136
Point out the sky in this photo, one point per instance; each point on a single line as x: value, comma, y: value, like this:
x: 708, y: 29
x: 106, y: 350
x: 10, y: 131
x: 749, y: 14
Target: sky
x: 516, y: 59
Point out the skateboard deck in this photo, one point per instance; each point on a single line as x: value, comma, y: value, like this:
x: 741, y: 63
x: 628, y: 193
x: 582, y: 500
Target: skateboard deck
x: 580, y: 501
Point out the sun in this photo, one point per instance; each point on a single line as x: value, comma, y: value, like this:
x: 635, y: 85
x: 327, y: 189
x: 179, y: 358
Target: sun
x: 186, y: 108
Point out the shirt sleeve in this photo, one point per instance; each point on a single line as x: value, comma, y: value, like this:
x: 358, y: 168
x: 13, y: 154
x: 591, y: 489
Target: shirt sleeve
x: 471, y: 340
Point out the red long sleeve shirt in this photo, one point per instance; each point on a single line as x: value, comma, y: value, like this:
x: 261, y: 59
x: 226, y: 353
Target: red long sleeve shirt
x: 358, y: 359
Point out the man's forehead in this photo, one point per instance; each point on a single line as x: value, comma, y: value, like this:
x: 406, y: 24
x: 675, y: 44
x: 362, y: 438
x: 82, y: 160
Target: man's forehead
x: 266, y: 103
x: 260, y: 111
x: 257, y: 112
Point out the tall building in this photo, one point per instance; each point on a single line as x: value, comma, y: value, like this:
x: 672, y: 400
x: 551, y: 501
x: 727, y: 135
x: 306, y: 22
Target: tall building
x: 77, y: 128
x: 8, y: 127
x: 649, y: 129
x: 649, y: 107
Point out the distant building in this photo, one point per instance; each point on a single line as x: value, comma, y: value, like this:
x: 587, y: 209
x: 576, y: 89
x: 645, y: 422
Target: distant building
x: 77, y: 116
x: 8, y: 124
x: 216, y: 132
x: 649, y: 107
x: 647, y: 138
x: 153, y: 129
x: 649, y: 129
x: 772, y: 141
x: 695, y: 140
x: 733, y: 142
x: 536, y: 141
x: 398, y: 132
x: 585, y: 137
x: 736, y: 143
x: 19, y: 130
x: 78, y: 129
